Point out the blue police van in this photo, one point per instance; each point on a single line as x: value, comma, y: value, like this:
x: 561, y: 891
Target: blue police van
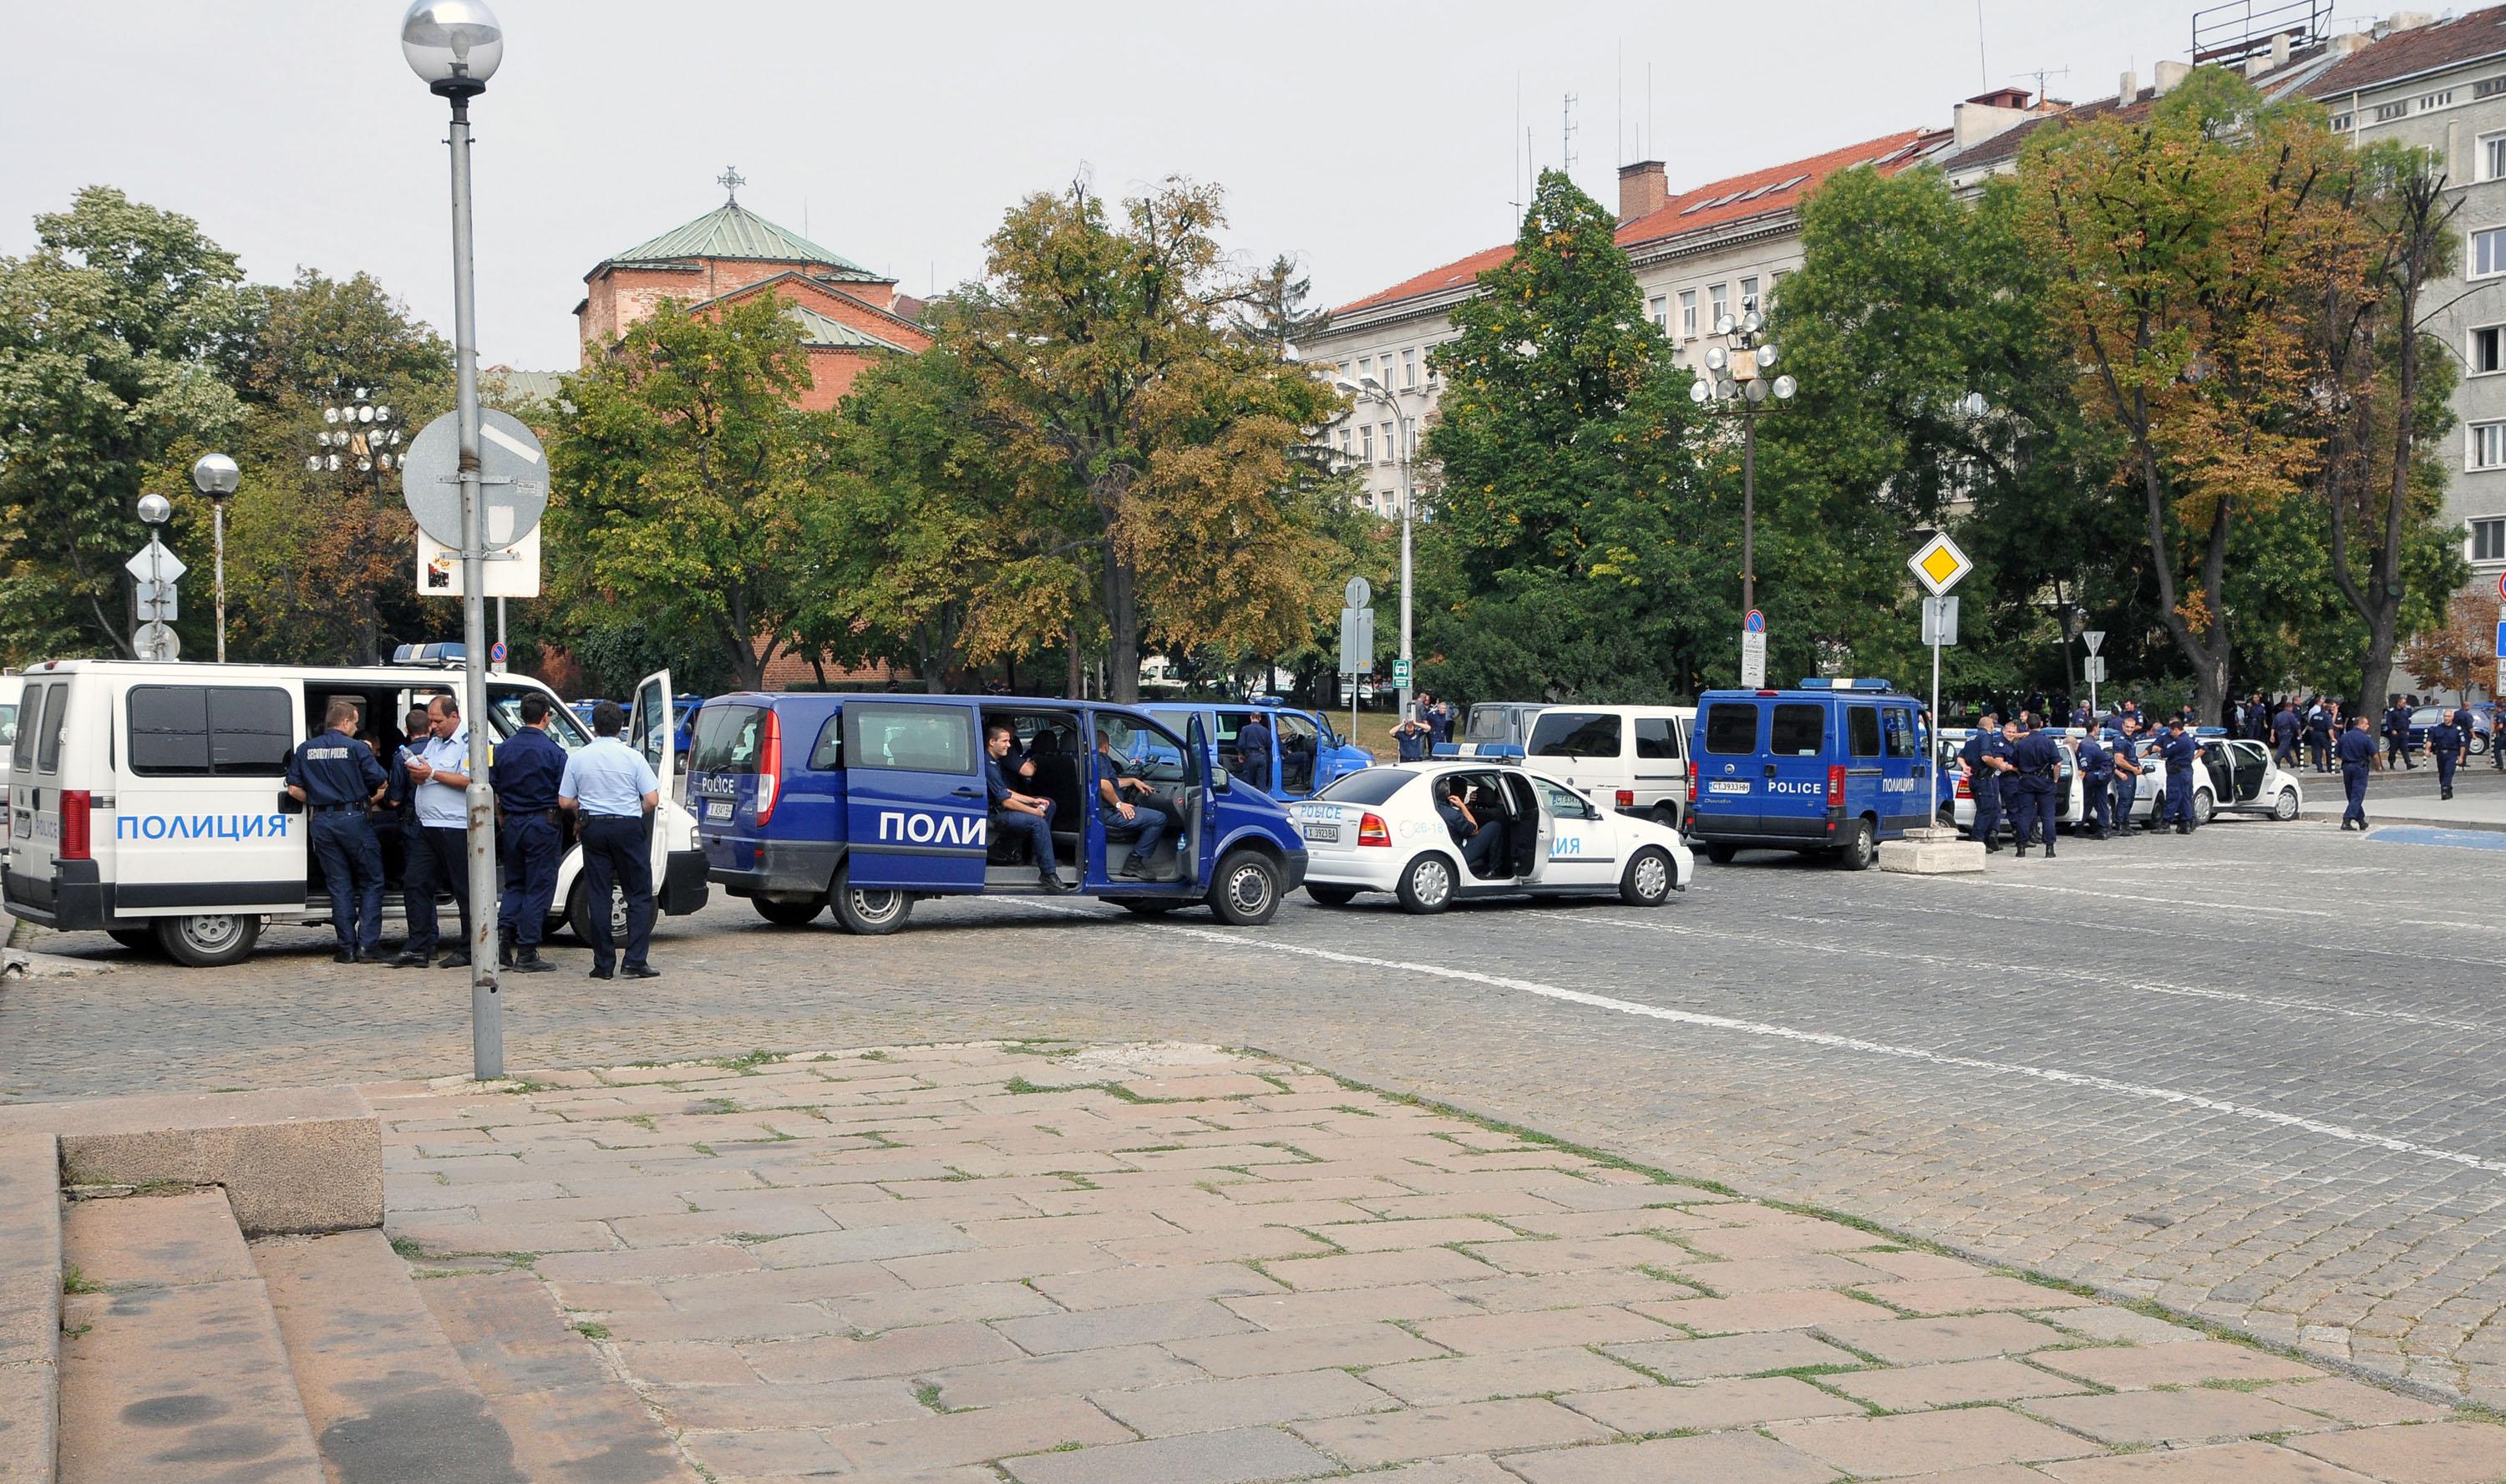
x: 1307, y: 756
x: 1834, y: 765
x: 864, y: 804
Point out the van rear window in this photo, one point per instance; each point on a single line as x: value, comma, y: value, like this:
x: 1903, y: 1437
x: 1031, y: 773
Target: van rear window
x: 1574, y: 735
x: 728, y: 739
x: 1367, y: 786
x: 22, y: 756
x: 1799, y: 729
x: 1656, y: 737
x: 203, y: 731
x: 1862, y: 730
x: 1731, y: 729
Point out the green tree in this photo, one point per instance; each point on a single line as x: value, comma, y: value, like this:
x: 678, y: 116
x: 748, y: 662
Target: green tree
x: 687, y: 483
x: 1271, y: 310
x: 120, y: 335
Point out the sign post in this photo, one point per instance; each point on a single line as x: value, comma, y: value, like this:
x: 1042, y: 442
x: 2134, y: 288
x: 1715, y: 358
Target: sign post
x: 1357, y: 642
x: 2095, y: 640
x: 1939, y: 566
x: 1753, y: 651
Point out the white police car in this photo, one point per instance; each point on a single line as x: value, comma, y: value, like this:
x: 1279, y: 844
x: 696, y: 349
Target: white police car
x: 2237, y: 776
x: 1377, y: 830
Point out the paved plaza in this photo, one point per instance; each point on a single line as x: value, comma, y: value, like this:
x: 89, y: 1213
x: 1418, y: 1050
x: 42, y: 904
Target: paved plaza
x: 2253, y: 1075
x: 1060, y: 1265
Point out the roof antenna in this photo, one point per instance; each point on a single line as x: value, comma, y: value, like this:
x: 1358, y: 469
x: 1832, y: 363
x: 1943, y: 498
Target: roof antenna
x: 1982, y: 69
x: 731, y: 180
x: 1567, y: 135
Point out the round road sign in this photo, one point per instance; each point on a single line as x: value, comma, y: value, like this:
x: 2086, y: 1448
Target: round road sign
x: 2501, y: 587
x: 512, y: 479
x: 1755, y: 624
x: 1358, y: 590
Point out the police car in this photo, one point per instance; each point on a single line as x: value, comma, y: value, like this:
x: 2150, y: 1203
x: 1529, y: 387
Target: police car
x: 1834, y: 765
x: 2234, y: 776
x: 1307, y: 756
x: 866, y: 804
x: 1379, y: 832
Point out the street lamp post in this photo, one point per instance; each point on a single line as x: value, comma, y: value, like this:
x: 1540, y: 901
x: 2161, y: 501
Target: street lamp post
x: 1368, y: 389
x: 454, y: 46
x: 216, y: 476
x: 1739, y: 384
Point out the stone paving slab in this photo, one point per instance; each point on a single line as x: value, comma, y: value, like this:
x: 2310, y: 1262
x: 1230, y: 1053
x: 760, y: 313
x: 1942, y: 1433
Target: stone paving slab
x: 989, y: 1264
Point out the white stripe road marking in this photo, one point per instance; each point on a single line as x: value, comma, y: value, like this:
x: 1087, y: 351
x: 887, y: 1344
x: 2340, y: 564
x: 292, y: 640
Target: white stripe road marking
x: 2171, y: 901
x: 2139, y: 1090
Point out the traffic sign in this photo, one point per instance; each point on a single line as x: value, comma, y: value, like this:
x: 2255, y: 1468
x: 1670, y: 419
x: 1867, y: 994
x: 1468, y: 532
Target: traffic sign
x: 2095, y: 639
x: 1753, y: 658
x: 2501, y: 587
x: 1358, y: 593
x: 1940, y: 564
x: 496, y: 652
x: 512, y: 479
x: 2501, y: 639
x: 1755, y: 624
x: 156, y: 641
x: 1357, y: 641
x: 1940, y: 620
x: 1400, y: 672
x: 2096, y: 670
x: 510, y: 574
x: 155, y: 561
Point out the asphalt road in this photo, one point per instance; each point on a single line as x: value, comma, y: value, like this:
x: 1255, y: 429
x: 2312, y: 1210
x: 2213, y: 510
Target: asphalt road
x: 2254, y: 1074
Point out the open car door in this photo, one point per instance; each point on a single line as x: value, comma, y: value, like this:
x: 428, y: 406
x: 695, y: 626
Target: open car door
x: 1203, y: 779
x: 650, y: 729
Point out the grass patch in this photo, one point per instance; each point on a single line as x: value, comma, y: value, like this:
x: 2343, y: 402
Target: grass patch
x: 74, y: 1280
x: 714, y: 1107
x: 706, y: 1149
x: 877, y: 1056
x: 592, y: 1331
x: 408, y: 1248
x: 1353, y: 1108
x: 643, y: 1121
x: 745, y: 1066
x: 73, y: 1331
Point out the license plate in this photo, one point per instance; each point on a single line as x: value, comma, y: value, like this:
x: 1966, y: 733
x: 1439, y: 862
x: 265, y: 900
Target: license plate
x: 718, y: 809
x: 1329, y: 834
x: 1728, y: 786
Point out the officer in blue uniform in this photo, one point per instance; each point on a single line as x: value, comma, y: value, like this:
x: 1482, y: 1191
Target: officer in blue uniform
x: 2038, y: 761
x: 2283, y: 730
x: 1012, y: 812
x: 2178, y: 751
x: 2095, y: 767
x: 525, y: 775
x: 1253, y: 752
x: 1983, y: 779
x: 2358, y: 751
x: 335, y: 775
x: 613, y: 791
x: 2397, y: 734
x: 2445, y: 745
x: 2123, y: 759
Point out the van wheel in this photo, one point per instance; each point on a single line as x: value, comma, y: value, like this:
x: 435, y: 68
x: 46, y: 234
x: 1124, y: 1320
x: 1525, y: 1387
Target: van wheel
x: 1861, y: 847
x: 1721, y: 854
x: 1946, y: 817
x: 136, y: 939
x: 871, y: 913
x: 210, y: 940
x: 1333, y: 896
x: 578, y: 913
x: 1427, y: 886
x: 1667, y: 815
x: 1649, y: 880
x: 1246, y: 891
x: 789, y: 914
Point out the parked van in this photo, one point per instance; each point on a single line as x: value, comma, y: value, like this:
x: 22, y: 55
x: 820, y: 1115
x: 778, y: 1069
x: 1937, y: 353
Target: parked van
x: 148, y: 800
x: 1307, y: 756
x: 1497, y: 724
x: 1634, y: 758
x: 869, y: 803
x: 1835, y: 765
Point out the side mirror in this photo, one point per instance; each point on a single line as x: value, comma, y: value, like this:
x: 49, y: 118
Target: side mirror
x: 1221, y: 780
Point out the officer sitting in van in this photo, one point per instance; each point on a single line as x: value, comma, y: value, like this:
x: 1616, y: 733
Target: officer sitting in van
x: 1481, y: 842
x: 1125, y: 802
x: 1016, y: 813
x: 335, y: 776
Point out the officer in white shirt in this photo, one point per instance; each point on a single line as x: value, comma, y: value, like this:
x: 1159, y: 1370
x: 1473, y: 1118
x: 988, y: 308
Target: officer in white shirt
x: 614, y: 793
x: 439, y: 855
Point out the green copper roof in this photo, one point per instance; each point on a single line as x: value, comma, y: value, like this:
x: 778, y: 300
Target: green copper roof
x: 818, y: 330
x: 734, y: 231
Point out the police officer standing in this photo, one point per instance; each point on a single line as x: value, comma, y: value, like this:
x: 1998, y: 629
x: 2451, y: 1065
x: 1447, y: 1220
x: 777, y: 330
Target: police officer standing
x: 2037, y: 760
x: 2127, y: 766
x: 2095, y: 767
x: 614, y: 791
x: 439, y: 852
x: 527, y: 773
x: 2397, y: 734
x: 335, y: 775
x: 1982, y: 781
x: 2445, y: 745
x: 1253, y: 752
x: 2357, y: 752
x: 2178, y: 751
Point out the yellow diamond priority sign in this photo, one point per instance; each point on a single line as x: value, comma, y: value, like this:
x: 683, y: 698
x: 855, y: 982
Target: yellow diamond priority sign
x: 1940, y: 564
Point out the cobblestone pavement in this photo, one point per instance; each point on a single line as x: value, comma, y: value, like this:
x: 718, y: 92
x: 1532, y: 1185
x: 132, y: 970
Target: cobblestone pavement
x: 2254, y: 1074
x: 1091, y: 1264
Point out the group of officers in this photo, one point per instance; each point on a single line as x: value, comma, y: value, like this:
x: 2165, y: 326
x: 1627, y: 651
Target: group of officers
x: 2016, y: 768
x: 607, y: 788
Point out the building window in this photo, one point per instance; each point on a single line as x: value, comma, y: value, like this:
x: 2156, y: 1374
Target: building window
x: 1750, y: 293
x: 2489, y: 87
x: 1722, y: 305
x: 2488, y: 445
x: 1343, y: 437
x: 1409, y: 368
x: 2387, y: 112
x: 1366, y: 444
x: 2485, y: 353
x: 2488, y: 539
x: 2492, y: 157
x: 1659, y: 311
x: 1392, y: 450
x: 1688, y: 314
x: 2340, y: 123
x: 2488, y: 253
x: 2436, y: 100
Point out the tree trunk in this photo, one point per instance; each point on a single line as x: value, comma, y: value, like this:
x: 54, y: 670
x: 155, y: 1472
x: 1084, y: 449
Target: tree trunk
x: 1123, y: 623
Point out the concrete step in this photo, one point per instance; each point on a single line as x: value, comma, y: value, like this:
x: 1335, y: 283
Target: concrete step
x: 390, y: 1400
x: 572, y: 1419
x: 30, y: 1306
x: 175, y: 1373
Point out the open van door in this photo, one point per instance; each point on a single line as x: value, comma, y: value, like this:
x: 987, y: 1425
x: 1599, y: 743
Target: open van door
x: 652, y: 731
x: 1205, y: 782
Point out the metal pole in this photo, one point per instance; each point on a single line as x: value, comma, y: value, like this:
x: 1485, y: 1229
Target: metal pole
x: 1932, y: 743
x: 500, y: 634
x: 1748, y: 509
x: 1408, y: 665
x: 218, y: 526
x: 486, y: 1010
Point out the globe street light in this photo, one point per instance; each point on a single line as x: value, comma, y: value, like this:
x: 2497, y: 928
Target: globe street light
x: 454, y: 45
x: 216, y: 476
x: 1368, y: 389
x: 1739, y: 385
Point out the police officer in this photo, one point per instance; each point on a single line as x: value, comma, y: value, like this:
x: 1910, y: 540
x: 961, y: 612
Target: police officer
x: 2357, y: 752
x: 439, y: 851
x: 1411, y: 737
x: 614, y: 791
x: 2283, y: 730
x: 2037, y: 760
x: 2096, y: 768
x: 336, y: 775
x: 2445, y: 745
x: 1982, y: 780
x: 1253, y: 752
x: 2125, y: 762
x: 2397, y: 734
x: 527, y: 773
x: 2178, y: 752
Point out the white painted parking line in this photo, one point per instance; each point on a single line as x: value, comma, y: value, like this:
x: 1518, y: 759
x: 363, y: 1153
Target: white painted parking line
x: 2000, y: 884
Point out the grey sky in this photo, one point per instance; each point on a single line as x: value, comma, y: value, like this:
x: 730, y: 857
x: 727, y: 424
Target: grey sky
x: 1374, y: 139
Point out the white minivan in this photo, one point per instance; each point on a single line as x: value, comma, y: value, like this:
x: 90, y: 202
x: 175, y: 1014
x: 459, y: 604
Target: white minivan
x: 1634, y: 758
x: 147, y: 801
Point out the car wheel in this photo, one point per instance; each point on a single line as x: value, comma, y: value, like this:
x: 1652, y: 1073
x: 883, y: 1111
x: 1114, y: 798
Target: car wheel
x: 1946, y: 817
x: 869, y: 912
x: 1427, y: 886
x: 578, y: 913
x: 2284, y: 807
x: 1649, y: 880
x: 136, y: 939
x: 1246, y: 891
x: 1721, y: 854
x: 2205, y: 808
x: 1861, y: 847
x: 1332, y: 896
x: 789, y: 914
x: 210, y: 941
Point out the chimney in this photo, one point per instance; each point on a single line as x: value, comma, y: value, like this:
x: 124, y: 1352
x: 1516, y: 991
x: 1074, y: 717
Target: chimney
x: 1985, y: 115
x: 2402, y: 20
x: 1642, y: 190
x: 2349, y: 43
x: 2172, y: 73
x: 2282, y: 49
x: 2127, y: 91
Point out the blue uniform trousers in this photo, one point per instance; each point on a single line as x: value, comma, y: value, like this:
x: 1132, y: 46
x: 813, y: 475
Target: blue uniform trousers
x: 1035, y: 828
x: 1149, y: 823
x: 2179, y: 797
x: 2120, y: 796
x: 438, y: 860
x: 2445, y: 766
x: 617, y: 853
x: 2354, y: 779
x: 530, y: 844
x: 2035, y: 807
x: 352, y: 867
x: 2092, y: 803
x: 1987, y: 788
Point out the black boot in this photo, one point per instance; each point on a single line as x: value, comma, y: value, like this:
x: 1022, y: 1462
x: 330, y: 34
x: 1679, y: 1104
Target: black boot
x: 504, y: 949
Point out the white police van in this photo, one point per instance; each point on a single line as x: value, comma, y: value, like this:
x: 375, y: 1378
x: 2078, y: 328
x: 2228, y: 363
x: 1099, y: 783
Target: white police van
x: 148, y: 800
